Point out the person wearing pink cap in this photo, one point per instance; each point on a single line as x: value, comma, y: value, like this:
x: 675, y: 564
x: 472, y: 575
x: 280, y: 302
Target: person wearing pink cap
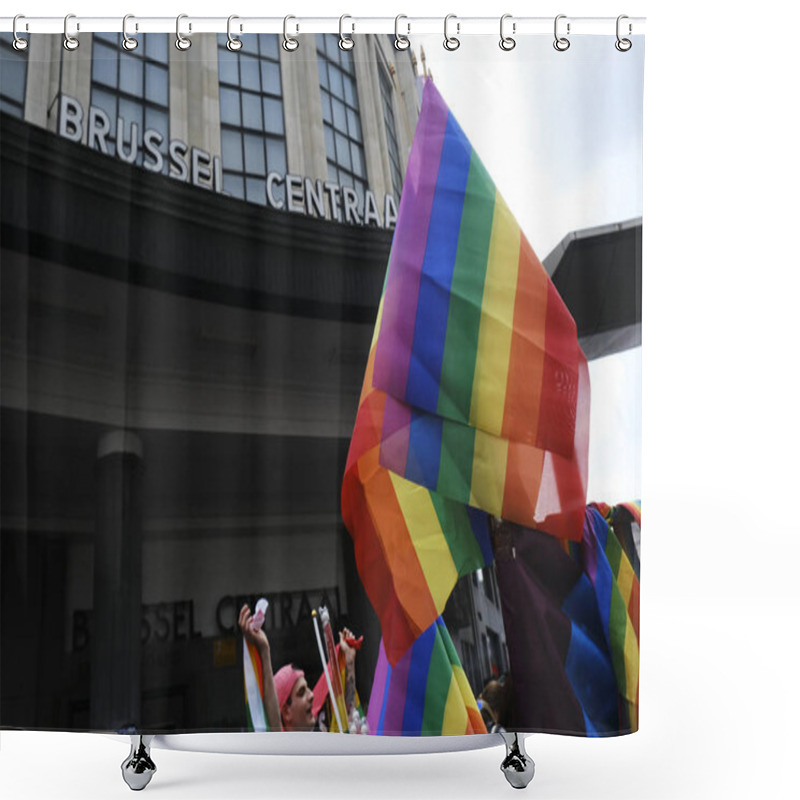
x: 288, y: 699
x: 295, y: 699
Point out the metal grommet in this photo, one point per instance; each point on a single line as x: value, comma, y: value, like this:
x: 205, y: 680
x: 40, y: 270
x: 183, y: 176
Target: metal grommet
x: 70, y: 42
x: 181, y: 42
x: 507, y: 42
x: 128, y: 43
x: 451, y: 42
x: 234, y: 44
x: 19, y: 43
x: 401, y: 42
x: 290, y: 44
x: 345, y: 42
x: 561, y: 43
x: 623, y: 45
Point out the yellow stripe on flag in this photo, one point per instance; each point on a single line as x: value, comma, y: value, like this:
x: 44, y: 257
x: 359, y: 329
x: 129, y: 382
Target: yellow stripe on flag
x: 489, y: 459
x: 467, y: 694
x: 426, y: 535
x: 631, y: 662
x: 497, y: 314
x: 625, y: 578
x: 455, y: 719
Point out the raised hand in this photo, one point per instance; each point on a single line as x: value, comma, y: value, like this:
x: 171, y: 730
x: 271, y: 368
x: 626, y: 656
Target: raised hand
x: 256, y: 638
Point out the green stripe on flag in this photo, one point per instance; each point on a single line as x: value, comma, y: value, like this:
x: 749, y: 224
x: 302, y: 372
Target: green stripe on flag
x: 458, y: 533
x: 617, y: 624
x: 437, y: 688
x: 458, y: 445
x: 466, y: 294
x: 450, y: 648
x: 613, y: 552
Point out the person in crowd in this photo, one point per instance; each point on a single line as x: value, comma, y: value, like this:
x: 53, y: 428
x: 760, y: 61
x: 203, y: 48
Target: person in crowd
x: 493, y: 702
x: 288, y: 699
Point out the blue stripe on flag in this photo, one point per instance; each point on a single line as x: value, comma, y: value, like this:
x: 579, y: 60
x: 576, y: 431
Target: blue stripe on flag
x: 417, y: 682
x: 424, y: 449
x: 479, y: 520
x: 433, y: 302
x: 385, y: 694
x: 588, y: 662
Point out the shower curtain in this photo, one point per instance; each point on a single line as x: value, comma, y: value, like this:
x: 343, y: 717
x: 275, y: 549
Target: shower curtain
x: 320, y: 384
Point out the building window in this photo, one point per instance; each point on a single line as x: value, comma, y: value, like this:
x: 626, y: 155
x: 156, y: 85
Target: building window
x: 470, y: 667
x: 496, y: 665
x: 13, y: 72
x: 387, y: 95
x: 487, y: 585
x: 344, y: 142
x: 131, y: 89
x: 251, y: 118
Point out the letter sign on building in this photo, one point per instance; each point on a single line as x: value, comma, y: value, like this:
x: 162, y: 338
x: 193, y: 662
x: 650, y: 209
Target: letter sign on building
x: 201, y: 168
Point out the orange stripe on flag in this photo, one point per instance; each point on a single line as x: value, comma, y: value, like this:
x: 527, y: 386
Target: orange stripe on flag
x: 372, y: 565
x: 523, y: 478
x: 409, y: 579
x: 526, y: 362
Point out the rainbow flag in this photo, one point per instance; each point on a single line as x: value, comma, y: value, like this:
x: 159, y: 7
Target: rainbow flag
x: 475, y: 397
x: 253, y: 689
x: 571, y: 616
x: 322, y: 700
x: 426, y: 693
x: 616, y: 586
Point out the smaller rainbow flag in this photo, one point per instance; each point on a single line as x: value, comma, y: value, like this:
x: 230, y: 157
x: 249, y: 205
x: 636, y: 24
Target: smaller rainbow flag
x: 616, y: 586
x: 426, y: 693
x: 571, y: 616
x: 253, y: 689
x: 322, y: 700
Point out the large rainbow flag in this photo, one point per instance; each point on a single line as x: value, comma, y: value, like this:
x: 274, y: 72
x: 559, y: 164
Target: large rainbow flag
x: 475, y: 399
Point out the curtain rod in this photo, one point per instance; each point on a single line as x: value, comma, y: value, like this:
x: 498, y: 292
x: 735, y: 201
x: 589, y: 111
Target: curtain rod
x: 406, y: 25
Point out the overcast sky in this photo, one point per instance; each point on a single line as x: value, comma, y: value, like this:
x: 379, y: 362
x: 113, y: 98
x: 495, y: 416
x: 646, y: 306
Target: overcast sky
x: 561, y: 135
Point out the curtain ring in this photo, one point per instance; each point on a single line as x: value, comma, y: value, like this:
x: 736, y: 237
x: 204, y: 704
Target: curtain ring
x: 345, y: 42
x: 401, y: 42
x: 507, y: 42
x: 181, y: 42
x: 623, y: 45
x: 451, y: 42
x: 234, y: 44
x: 128, y: 42
x: 20, y: 44
x: 561, y: 43
x: 290, y: 44
x: 70, y: 42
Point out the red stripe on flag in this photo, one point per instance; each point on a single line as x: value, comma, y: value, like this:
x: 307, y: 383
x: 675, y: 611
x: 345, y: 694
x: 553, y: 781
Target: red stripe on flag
x: 559, y: 400
x: 374, y: 568
x: 633, y: 606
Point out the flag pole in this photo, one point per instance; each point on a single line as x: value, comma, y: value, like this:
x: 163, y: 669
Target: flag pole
x: 325, y: 669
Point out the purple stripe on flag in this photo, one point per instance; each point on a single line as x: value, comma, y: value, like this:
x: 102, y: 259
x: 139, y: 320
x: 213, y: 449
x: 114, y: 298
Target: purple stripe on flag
x: 393, y: 350
x: 590, y: 549
x: 377, y: 696
x: 395, y: 435
x: 396, y: 700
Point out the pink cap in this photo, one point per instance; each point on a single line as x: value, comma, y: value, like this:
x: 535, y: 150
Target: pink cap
x: 285, y: 679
